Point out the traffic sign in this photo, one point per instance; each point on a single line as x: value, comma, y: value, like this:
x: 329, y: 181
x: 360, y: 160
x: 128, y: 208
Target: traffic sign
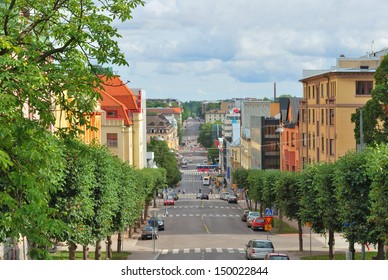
x: 268, y: 220
x: 268, y: 227
x: 268, y: 212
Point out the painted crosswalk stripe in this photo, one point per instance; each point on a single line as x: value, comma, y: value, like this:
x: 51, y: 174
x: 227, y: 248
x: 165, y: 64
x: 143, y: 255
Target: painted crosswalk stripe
x: 208, y: 250
x: 164, y: 251
x: 186, y: 251
x: 175, y: 251
x: 241, y: 250
x: 219, y: 250
x: 197, y: 250
x: 230, y: 250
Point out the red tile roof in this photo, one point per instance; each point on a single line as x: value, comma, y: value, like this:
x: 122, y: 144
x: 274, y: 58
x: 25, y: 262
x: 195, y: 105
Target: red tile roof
x: 176, y: 110
x: 108, y: 102
x: 115, y: 87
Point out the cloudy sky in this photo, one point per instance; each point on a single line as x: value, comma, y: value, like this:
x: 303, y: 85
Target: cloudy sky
x: 220, y: 49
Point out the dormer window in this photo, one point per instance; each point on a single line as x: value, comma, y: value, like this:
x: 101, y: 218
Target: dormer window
x: 111, y: 114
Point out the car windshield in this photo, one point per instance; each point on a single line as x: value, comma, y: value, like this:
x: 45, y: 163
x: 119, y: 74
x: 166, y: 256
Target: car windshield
x: 170, y: 198
x: 278, y: 258
x: 147, y: 228
x: 262, y: 244
x: 259, y: 220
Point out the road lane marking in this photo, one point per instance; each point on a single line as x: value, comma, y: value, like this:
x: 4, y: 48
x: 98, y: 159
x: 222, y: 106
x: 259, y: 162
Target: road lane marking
x: 230, y: 250
x: 186, y: 251
x: 175, y: 251
x: 241, y: 250
x: 197, y: 250
x: 219, y: 250
x: 208, y: 250
x: 204, y: 224
x: 164, y: 251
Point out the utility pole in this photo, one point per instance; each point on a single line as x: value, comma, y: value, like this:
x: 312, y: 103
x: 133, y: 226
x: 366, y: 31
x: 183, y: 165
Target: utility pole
x: 361, y: 149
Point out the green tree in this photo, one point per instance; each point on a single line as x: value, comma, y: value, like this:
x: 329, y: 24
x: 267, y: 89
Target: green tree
x: 353, y: 187
x: 33, y: 171
x: 377, y: 169
x: 288, y: 195
x: 375, y: 111
x: 74, y: 199
x: 255, y: 179
x: 205, y: 135
x: 166, y: 159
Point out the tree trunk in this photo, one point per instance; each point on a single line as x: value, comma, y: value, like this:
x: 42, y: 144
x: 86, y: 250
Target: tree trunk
x: 109, y: 253
x: 255, y: 205
x: 72, y: 250
x: 300, y: 230
x: 351, y: 248
x: 85, y: 252
x: 280, y: 230
x: 119, y: 242
x: 146, y: 209
x: 331, y: 244
x: 129, y: 232
x: 380, y: 250
x: 97, y: 252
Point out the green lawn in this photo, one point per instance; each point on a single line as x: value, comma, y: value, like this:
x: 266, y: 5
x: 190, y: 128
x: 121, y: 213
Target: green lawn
x: 341, y: 256
x: 286, y: 227
x: 64, y: 255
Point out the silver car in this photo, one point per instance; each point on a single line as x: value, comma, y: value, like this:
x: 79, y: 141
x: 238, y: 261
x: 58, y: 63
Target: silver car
x: 251, y: 216
x: 257, y: 249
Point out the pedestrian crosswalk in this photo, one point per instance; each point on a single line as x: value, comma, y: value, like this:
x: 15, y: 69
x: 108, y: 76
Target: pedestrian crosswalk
x: 210, y: 206
x: 203, y: 250
x: 204, y: 215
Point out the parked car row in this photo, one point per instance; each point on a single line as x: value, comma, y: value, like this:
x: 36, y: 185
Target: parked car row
x: 151, y: 231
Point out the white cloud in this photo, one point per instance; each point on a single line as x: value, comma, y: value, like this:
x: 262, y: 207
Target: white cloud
x: 175, y: 45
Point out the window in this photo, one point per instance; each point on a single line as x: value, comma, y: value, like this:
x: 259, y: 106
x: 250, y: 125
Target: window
x: 292, y: 139
x: 313, y: 140
x: 111, y: 114
x: 309, y: 140
x: 331, y: 117
x: 303, y: 115
x: 322, y: 144
x: 309, y: 116
x: 364, y: 87
x: 287, y: 139
x: 313, y: 112
x: 309, y: 92
x: 322, y: 90
x: 111, y: 139
x: 304, y: 139
x: 322, y: 116
x: 331, y: 146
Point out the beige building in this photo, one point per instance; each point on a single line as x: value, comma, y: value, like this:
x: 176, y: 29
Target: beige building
x: 159, y: 126
x: 330, y: 97
x: 213, y: 116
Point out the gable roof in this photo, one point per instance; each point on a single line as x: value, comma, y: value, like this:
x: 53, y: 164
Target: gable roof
x: 108, y: 102
x: 115, y: 87
x: 175, y: 110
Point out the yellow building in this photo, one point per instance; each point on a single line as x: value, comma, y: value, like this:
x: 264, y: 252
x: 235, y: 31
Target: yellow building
x: 330, y: 97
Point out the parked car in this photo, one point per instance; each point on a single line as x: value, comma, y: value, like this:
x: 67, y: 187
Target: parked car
x: 199, y: 195
x: 257, y: 249
x: 244, y: 215
x: 276, y: 256
x: 224, y: 196
x: 156, y: 222
x: 149, y: 232
x: 169, y: 201
x: 232, y: 199
x: 258, y: 224
x: 205, y: 196
x: 251, y: 216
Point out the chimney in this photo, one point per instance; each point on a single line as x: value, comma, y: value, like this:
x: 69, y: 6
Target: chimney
x: 274, y: 91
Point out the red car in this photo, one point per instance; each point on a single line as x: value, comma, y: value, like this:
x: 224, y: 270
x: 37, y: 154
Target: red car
x: 258, y: 223
x: 169, y: 201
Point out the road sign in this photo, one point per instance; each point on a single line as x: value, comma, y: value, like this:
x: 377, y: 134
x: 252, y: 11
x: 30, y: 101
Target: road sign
x: 268, y: 220
x: 268, y: 212
x: 268, y: 227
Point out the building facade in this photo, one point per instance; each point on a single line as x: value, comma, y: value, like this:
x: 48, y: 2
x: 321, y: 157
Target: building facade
x: 330, y: 97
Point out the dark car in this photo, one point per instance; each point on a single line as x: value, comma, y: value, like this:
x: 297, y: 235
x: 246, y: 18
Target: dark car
x: 232, y: 199
x: 244, y: 215
x: 276, y: 256
x: 205, y: 196
x: 156, y: 222
x: 149, y: 232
